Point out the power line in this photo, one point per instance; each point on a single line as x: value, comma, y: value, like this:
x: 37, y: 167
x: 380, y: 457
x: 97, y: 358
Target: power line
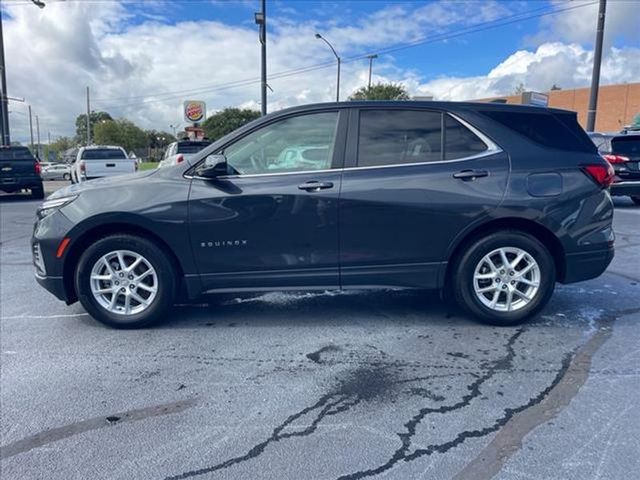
x: 479, y: 27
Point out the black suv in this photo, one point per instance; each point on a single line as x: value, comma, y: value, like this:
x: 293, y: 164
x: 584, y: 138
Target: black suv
x: 19, y: 170
x: 622, y: 151
x: 491, y: 204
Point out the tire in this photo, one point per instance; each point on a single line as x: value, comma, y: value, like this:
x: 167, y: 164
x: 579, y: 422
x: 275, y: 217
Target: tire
x: 66, y: 176
x: 37, y: 192
x: 635, y: 199
x: 162, y: 278
x: 472, y: 262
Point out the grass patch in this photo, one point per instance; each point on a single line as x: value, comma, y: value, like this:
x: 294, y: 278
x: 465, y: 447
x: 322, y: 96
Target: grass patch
x: 148, y: 165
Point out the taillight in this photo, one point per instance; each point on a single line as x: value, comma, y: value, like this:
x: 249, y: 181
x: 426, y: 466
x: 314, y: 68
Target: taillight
x: 180, y: 158
x: 135, y: 166
x: 37, y: 168
x: 601, y: 174
x: 611, y: 158
x: 83, y: 167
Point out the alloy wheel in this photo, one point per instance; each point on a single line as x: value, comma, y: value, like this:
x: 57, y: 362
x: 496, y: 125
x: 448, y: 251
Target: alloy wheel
x: 124, y: 282
x: 506, y: 279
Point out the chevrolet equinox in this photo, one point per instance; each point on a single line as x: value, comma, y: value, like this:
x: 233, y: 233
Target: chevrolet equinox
x: 490, y: 204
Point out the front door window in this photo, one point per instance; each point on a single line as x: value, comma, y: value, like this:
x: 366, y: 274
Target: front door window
x: 296, y: 144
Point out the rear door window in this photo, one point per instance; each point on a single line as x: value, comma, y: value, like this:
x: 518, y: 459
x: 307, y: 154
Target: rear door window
x: 395, y: 137
x: 460, y: 142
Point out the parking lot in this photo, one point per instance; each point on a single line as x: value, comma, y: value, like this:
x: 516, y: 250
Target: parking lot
x: 321, y: 385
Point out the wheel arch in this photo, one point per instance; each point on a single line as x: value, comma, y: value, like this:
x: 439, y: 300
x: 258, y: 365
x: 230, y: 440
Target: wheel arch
x: 536, y: 230
x: 79, y: 245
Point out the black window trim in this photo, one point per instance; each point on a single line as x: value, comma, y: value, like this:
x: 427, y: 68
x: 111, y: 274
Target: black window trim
x: 492, y: 147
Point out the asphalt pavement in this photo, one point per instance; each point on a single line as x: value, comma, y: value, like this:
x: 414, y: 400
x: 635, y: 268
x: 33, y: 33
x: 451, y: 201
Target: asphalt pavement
x: 326, y: 385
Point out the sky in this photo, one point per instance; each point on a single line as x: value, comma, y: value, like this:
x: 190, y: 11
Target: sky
x: 142, y: 58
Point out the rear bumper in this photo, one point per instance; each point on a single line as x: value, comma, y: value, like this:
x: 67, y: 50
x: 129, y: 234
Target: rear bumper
x: 55, y: 285
x: 18, y: 183
x: 587, y: 265
x: 627, y: 187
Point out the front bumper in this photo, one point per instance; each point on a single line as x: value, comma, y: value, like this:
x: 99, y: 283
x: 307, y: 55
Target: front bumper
x: 626, y: 187
x: 587, y: 265
x: 54, y: 285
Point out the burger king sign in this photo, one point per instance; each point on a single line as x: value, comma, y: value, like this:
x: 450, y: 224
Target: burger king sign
x: 194, y: 111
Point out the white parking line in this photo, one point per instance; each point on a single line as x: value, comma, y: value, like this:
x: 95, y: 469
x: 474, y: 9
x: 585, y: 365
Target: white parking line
x: 44, y: 316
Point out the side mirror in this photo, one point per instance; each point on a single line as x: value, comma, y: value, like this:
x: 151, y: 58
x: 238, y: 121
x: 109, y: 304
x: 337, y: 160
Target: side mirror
x: 213, y: 166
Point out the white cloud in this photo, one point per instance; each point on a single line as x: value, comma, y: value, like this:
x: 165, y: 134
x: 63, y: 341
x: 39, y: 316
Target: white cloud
x: 52, y: 54
x: 567, y: 66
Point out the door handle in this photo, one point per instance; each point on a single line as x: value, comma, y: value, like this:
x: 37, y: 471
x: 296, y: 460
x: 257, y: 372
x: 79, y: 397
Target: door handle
x: 469, y: 175
x: 314, y: 186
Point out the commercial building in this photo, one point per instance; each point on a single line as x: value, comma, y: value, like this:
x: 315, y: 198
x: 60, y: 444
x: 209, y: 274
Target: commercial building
x: 617, y: 104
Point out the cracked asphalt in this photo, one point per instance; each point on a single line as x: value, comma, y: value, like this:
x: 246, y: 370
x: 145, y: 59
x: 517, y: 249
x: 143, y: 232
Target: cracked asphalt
x: 333, y: 385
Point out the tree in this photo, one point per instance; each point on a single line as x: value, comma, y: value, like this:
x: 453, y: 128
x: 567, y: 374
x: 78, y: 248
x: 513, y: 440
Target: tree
x: 520, y: 89
x: 81, y: 125
x: 636, y: 121
x: 158, y: 139
x: 226, y: 121
x: 121, y: 132
x: 61, y: 145
x: 555, y: 87
x: 381, y: 91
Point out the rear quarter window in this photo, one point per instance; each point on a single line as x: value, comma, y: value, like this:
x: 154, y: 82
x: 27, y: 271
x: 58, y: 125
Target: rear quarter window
x: 561, y: 131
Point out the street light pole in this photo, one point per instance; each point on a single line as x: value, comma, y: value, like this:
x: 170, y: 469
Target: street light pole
x: 261, y: 19
x: 597, y: 61
x: 339, y: 61
x: 371, y: 57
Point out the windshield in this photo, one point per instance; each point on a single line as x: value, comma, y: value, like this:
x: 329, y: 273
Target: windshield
x: 103, y: 154
x: 627, y: 146
x: 16, y: 154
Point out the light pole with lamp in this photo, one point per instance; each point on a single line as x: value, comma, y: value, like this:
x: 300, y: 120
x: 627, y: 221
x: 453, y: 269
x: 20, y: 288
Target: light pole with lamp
x: 339, y: 61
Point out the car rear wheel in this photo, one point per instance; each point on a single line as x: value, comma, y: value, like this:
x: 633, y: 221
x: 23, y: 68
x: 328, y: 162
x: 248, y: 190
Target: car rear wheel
x: 504, y: 278
x: 635, y: 199
x: 125, y: 281
x: 66, y: 176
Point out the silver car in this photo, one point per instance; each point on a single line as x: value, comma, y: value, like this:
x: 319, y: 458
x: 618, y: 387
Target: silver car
x: 56, y: 171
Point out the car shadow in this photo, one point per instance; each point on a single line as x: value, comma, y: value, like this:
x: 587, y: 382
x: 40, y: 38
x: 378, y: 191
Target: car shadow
x: 305, y: 308
x: 17, y: 197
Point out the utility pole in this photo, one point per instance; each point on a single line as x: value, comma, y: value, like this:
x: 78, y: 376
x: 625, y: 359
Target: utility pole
x: 38, y: 130
x: 371, y: 57
x: 88, y: 119
x: 597, y: 61
x: 31, y: 128
x: 4, y: 106
x: 261, y: 19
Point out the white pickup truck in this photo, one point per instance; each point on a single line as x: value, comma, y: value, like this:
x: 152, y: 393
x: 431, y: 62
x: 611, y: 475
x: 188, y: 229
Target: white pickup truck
x: 98, y: 161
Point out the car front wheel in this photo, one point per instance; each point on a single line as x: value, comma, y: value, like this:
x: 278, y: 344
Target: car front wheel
x: 125, y: 281
x: 504, y: 278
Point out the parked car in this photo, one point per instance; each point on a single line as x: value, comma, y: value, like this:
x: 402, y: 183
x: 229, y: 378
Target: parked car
x: 180, y: 151
x: 56, y: 171
x: 491, y: 204
x: 19, y: 170
x: 622, y: 151
x: 97, y: 161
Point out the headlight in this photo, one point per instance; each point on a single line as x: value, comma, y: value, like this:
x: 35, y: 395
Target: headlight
x: 50, y: 206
